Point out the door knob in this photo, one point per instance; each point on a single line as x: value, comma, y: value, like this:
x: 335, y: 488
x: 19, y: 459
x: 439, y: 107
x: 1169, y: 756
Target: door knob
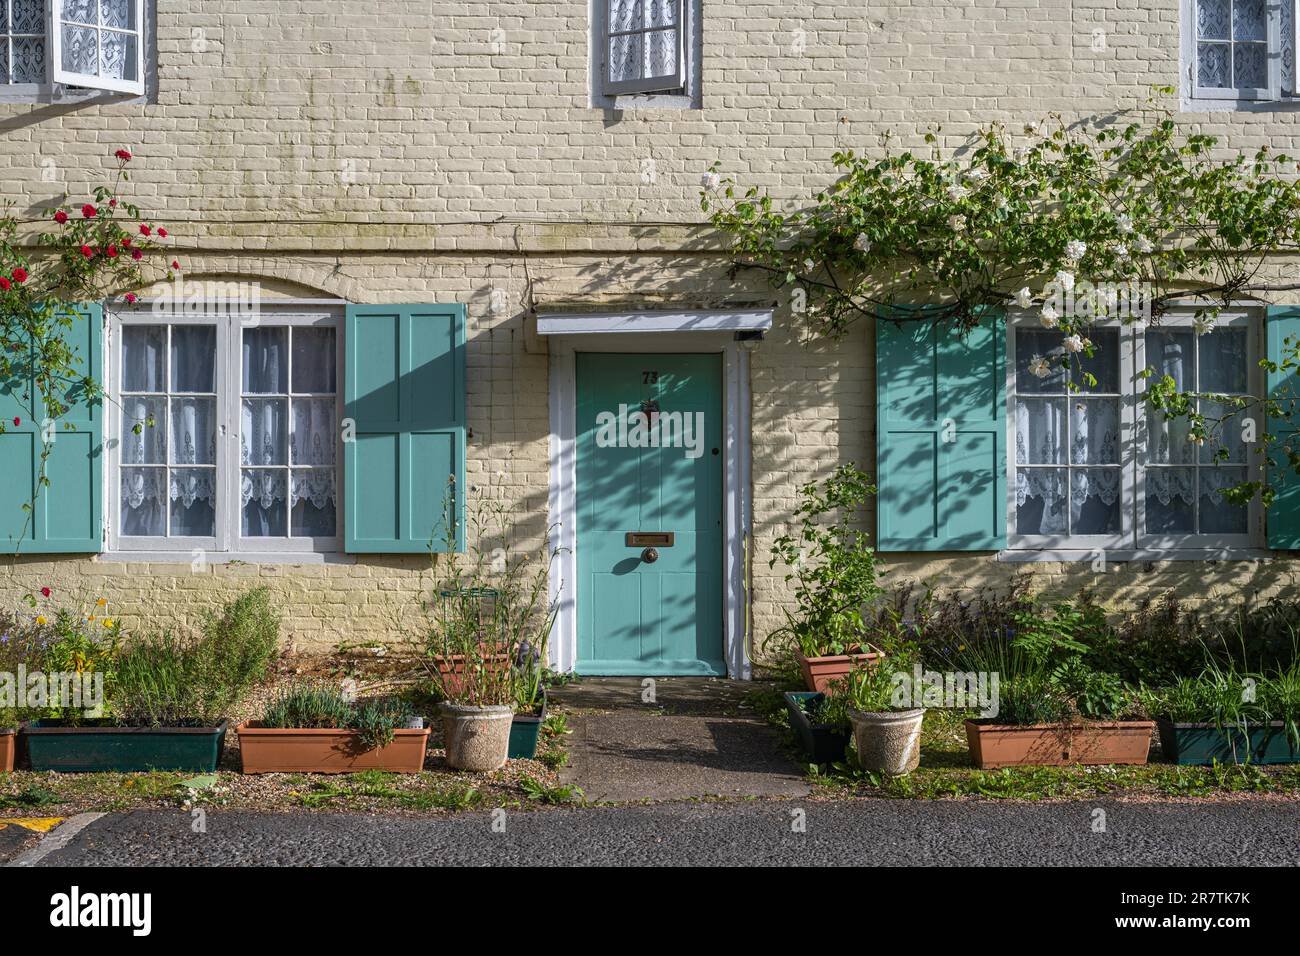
x: 650, y: 555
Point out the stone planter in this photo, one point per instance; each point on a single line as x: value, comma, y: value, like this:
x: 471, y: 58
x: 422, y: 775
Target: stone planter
x: 299, y: 750
x: 888, y: 742
x: 820, y: 671
x: 477, y: 738
x: 1058, y: 745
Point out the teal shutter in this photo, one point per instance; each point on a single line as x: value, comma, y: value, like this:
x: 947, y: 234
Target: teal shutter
x: 1283, y: 516
x: 65, y: 516
x: 941, y: 434
x: 404, y: 391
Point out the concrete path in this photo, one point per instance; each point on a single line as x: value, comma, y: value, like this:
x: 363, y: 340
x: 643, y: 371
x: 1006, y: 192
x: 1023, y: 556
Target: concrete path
x: 673, y: 739
x: 861, y: 833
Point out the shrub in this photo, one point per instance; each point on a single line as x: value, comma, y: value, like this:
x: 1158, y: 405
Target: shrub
x: 1033, y: 698
x: 168, y: 680
x: 316, y: 705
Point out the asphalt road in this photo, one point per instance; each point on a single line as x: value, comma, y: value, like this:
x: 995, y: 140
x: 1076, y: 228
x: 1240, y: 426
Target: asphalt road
x: 873, y: 832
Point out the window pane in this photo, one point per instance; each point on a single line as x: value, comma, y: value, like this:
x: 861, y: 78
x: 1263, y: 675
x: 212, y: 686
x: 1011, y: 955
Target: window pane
x: 1033, y: 345
x: 149, y: 447
x: 265, y: 361
x: 144, y: 358
x: 1040, y: 501
x: 1249, y: 20
x: 29, y: 60
x: 1170, y: 493
x: 1249, y: 65
x: 263, y: 434
x: 29, y: 16
x: 661, y: 53
x: 1212, y: 65
x: 625, y: 57
x: 1094, y: 501
x: 194, y: 431
x: 81, y: 11
x: 1167, y: 442
x: 1224, y: 436
x: 80, y: 50
x: 660, y: 13
x: 119, y: 14
x: 312, y: 502
x: 624, y: 15
x: 1172, y: 352
x: 1094, y: 431
x: 1218, y: 515
x: 1040, y: 431
x: 143, y: 497
x: 1224, y: 364
x: 193, y: 500
x: 194, y: 358
x: 314, y: 433
x: 314, y: 360
x: 4, y: 61
x: 1103, y: 365
x: 117, y: 55
x: 263, y: 493
x: 1212, y: 19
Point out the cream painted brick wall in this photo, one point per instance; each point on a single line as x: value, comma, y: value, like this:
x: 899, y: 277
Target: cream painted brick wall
x: 382, y: 152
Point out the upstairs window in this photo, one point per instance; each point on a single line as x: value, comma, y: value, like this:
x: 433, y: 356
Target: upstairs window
x: 47, y: 45
x: 646, y: 52
x: 1239, y: 52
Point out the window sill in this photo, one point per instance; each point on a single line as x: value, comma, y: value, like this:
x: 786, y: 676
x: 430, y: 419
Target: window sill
x: 229, y: 557
x: 1028, y: 556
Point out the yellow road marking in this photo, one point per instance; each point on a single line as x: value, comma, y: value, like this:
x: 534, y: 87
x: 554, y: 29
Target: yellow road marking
x: 35, y: 824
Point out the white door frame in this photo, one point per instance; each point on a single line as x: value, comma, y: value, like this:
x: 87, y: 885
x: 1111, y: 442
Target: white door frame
x: 737, y: 487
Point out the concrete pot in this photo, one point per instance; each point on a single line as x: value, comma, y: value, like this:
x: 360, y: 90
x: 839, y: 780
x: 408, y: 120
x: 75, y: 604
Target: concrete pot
x: 1057, y: 745
x: 8, y: 747
x: 818, y: 672
x: 477, y: 738
x: 889, y: 742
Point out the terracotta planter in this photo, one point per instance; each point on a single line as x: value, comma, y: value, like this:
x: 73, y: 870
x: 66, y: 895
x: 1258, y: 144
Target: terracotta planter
x: 8, y: 747
x: 477, y: 738
x: 452, y: 667
x: 291, y: 750
x: 888, y: 742
x: 820, y: 671
x: 1058, y: 745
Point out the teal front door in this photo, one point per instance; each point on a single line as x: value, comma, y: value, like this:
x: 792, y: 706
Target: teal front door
x: 649, y: 516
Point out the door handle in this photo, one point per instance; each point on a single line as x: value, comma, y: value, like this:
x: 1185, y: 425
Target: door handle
x: 650, y: 555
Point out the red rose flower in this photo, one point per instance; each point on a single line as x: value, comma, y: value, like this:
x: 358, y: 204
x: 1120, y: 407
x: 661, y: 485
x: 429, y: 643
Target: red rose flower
x: 60, y: 217
x: 17, y: 421
x: 162, y: 233
x: 130, y: 297
x: 20, y: 274
x: 124, y: 155
x: 126, y: 243
x: 45, y: 592
x: 89, y: 211
x: 4, y: 284
x: 176, y: 265
x: 144, y: 230
x: 112, y: 252
x: 137, y: 254
x: 87, y: 251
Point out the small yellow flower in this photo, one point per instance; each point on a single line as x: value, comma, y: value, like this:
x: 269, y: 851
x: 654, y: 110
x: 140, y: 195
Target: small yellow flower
x: 102, y: 602
x: 41, y: 621
x: 90, y: 618
x: 108, y: 622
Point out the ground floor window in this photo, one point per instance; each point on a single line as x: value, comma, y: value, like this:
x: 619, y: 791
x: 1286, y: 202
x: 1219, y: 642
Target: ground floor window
x: 228, y: 431
x: 1091, y: 467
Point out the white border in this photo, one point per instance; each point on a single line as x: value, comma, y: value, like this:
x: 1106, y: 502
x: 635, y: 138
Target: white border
x: 624, y: 323
x: 737, y: 484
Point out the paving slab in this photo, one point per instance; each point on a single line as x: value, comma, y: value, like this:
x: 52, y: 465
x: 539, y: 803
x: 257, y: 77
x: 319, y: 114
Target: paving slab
x: 625, y: 756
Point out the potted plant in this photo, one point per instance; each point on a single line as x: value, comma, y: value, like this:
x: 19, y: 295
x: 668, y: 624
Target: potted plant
x: 8, y: 738
x: 313, y: 727
x: 820, y: 724
x: 886, y: 727
x: 529, y: 675
x: 165, y: 696
x: 1224, y: 715
x: 835, y: 580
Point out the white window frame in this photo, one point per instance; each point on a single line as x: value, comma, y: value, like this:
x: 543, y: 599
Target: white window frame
x: 61, y: 84
x: 667, y: 83
x: 228, y: 541
x: 684, y: 93
x: 1132, y: 535
x: 1226, y: 97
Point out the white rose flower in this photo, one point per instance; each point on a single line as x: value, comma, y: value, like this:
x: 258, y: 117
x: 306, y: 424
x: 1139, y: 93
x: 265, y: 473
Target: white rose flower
x: 710, y: 180
x: 1049, y: 316
x: 1074, y: 250
x: 862, y: 243
x: 957, y: 223
x: 1039, y: 367
x: 957, y: 192
x: 1073, y: 343
x: 978, y: 174
x: 809, y: 265
x: 1144, y: 245
x: 1024, y: 298
x: 1065, y: 280
x: 1203, y: 324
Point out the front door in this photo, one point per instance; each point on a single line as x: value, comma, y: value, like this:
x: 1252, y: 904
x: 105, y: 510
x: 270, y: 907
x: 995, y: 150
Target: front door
x: 649, y: 517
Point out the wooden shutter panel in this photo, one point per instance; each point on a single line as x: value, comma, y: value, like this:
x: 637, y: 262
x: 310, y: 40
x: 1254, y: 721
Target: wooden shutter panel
x: 65, y: 516
x: 1283, y: 516
x: 941, y: 469
x: 404, y: 390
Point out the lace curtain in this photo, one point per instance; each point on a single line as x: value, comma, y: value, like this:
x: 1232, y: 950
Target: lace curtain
x: 1092, y: 434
